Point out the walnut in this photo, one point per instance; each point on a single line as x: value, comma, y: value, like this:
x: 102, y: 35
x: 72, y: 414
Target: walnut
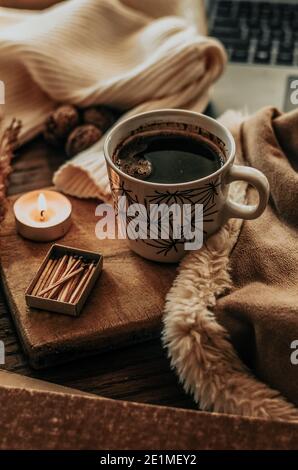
x: 100, y: 116
x: 81, y: 138
x: 60, y: 123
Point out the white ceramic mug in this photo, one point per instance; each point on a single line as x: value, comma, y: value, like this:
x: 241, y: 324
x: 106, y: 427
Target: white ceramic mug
x: 211, y: 191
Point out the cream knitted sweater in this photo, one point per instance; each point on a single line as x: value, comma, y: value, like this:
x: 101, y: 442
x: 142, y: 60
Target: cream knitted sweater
x: 125, y: 53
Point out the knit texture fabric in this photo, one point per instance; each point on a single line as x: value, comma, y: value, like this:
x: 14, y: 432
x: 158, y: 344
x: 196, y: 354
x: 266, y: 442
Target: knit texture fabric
x: 123, y: 53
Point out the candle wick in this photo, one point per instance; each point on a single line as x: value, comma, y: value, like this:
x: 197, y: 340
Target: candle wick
x: 42, y: 216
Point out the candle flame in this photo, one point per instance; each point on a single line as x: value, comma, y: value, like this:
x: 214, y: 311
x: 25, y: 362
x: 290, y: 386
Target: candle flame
x: 42, y: 205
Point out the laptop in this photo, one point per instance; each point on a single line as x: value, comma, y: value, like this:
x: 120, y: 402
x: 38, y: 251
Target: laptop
x: 261, y: 39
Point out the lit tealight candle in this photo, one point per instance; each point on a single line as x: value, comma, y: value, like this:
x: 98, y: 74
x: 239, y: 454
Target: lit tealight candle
x: 42, y: 215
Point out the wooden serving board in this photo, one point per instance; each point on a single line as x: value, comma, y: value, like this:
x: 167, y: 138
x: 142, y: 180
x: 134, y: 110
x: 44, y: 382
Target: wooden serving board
x: 125, y: 305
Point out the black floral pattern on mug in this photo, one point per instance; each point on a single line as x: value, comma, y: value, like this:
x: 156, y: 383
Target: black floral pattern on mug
x: 205, y: 195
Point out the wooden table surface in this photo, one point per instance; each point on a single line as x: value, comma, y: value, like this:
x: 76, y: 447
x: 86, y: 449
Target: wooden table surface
x: 138, y: 373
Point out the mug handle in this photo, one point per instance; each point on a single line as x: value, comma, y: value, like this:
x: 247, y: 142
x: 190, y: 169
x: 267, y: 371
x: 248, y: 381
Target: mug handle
x: 259, y: 181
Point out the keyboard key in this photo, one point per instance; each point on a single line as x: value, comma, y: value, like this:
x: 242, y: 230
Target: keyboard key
x: 223, y: 13
x: 239, y: 55
x: 285, y: 58
x: 265, y: 15
x: 226, y: 23
x: 225, y: 4
x: 265, y: 25
x: 226, y: 32
x: 276, y: 22
x: 224, y: 9
x: 243, y: 16
x: 254, y: 21
x: 265, y: 8
x: 244, y: 5
x: 235, y: 43
x: 264, y: 35
x: 287, y: 10
x: 277, y: 34
x: 286, y: 47
x: 264, y: 44
x: 277, y: 9
x: 262, y: 56
x: 253, y: 33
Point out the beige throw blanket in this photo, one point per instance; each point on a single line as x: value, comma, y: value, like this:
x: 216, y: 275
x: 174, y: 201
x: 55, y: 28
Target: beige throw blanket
x: 124, y: 53
x: 231, y: 323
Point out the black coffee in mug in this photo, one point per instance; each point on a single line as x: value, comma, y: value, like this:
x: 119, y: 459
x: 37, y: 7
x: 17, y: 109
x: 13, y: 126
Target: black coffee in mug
x: 168, y: 156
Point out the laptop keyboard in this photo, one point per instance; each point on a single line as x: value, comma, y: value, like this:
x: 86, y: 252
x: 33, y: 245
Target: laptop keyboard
x: 257, y: 33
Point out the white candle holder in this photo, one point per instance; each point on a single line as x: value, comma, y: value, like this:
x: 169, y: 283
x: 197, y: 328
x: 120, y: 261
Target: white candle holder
x: 46, y: 223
